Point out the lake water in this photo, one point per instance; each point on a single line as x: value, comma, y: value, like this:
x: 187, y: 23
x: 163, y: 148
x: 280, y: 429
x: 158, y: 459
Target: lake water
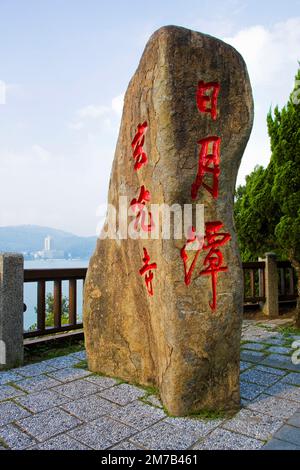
x: 30, y: 289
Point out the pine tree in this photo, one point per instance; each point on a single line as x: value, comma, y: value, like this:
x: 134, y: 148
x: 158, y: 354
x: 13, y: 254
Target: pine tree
x: 267, y: 208
x: 284, y: 132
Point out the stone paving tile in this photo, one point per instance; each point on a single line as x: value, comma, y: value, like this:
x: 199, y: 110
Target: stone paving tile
x: 62, y: 362
x: 9, y: 376
x: 285, y: 390
x: 245, y: 365
x: 77, y: 389
x: 61, y: 442
x: 254, y: 346
x: 295, y: 419
x: 90, y: 408
x: 276, y: 341
x: 252, y: 338
x: 15, y: 438
x: 164, y: 436
x: 42, y: 401
x: 252, y: 356
x: 7, y: 391
x: 250, y: 391
x: 154, y: 400
x: 197, y: 427
x: 33, y: 370
x: 45, y: 425
x: 259, y: 377
x: 102, y: 382
x: 262, y: 336
x: 273, y: 406
x: 69, y: 374
x: 36, y: 384
x: 292, y: 378
x: 126, y: 445
x: 102, y: 433
x: 276, y: 444
x: 289, y: 433
x: 253, y: 424
x: 138, y: 415
x: 122, y: 394
x: 10, y: 412
x: 279, y: 350
x: 221, y: 439
x: 281, y: 362
x: 113, y: 429
x: 89, y: 434
x: 271, y: 370
x: 81, y: 355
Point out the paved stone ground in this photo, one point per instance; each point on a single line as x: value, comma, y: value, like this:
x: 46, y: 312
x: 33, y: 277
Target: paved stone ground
x: 56, y: 404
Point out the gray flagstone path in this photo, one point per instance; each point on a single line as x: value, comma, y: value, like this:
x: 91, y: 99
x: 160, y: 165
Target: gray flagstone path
x: 59, y: 404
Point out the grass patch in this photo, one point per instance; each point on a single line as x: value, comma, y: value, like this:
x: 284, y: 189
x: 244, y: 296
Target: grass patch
x: 289, y: 331
x: 209, y: 415
x: 263, y: 326
x: 81, y: 365
x: 15, y: 386
x: 44, y: 351
x: 3, y: 443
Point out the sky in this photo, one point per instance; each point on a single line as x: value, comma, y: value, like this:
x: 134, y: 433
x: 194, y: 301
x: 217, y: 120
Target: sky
x: 66, y: 66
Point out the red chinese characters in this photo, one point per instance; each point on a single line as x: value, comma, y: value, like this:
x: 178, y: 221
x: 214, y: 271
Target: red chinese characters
x: 139, y: 154
x: 147, y: 270
x: 214, y: 258
x: 208, y: 164
x: 138, y: 206
x: 194, y: 243
x: 207, y: 103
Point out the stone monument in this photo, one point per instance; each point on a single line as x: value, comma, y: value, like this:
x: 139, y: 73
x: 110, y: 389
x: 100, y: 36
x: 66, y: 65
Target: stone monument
x: 166, y: 312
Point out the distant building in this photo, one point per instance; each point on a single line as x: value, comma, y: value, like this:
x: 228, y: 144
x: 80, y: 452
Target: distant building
x: 47, y: 243
x: 48, y: 252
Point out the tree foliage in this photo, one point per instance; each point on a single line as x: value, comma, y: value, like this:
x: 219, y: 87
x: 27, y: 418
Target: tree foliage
x: 50, y: 312
x: 267, y: 208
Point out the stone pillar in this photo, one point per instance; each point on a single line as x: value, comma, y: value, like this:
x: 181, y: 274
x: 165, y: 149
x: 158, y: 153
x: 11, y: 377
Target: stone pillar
x: 11, y: 310
x: 271, y: 286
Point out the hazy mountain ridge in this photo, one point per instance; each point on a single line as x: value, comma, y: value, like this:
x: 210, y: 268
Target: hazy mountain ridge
x: 30, y: 238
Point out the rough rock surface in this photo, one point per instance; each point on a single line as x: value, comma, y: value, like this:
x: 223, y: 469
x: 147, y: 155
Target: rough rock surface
x: 173, y: 340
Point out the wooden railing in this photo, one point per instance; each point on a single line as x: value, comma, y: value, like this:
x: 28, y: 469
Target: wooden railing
x: 254, y: 292
x: 254, y: 282
x: 287, y: 281
x: 57, y: 276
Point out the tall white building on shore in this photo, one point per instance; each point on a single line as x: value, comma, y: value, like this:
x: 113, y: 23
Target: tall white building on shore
x: 47, y: 243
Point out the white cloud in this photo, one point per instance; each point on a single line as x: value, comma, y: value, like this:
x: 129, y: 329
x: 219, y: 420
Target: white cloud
x: 117, y: 104
x: 106, y: 116
x: 92, y: 111
x: 271, y: 55
x: 41, y: 152
x: 268, y: 51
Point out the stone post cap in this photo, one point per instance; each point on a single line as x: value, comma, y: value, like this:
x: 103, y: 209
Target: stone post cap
x: 4, y: 254
x: 270, y: 254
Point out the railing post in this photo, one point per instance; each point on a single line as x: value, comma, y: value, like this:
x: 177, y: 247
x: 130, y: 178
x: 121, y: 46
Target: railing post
x: 271, y: 308
x: 11, y: 310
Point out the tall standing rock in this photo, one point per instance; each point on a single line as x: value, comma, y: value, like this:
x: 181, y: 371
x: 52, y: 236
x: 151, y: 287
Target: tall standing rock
x: 188, y: 87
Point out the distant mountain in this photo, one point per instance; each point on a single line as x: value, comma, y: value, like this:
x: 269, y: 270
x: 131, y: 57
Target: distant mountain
x: 30, y: 238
